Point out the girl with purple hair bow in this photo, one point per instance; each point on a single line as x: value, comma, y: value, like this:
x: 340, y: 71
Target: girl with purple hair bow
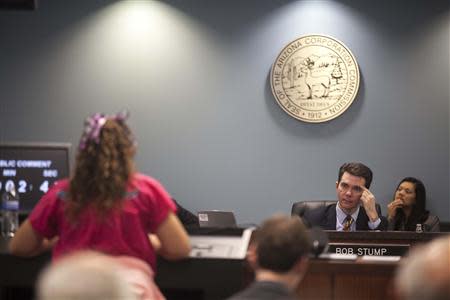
x: 94, y: 123
x: 105, y: 205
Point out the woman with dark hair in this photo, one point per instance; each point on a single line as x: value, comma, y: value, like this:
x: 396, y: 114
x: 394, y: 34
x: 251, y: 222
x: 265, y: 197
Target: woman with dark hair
x: 408, y: 208
x: 106, y: 205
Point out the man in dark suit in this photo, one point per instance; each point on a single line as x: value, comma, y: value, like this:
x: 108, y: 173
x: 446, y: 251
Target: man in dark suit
x: 355, y: 208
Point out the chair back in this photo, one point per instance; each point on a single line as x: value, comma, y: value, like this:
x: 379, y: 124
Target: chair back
x: 301, y: 207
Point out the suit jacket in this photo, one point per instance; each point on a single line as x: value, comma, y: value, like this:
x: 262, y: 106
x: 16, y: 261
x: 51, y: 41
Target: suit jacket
x: 187, y: 218
x: 325, y: 217
x: 264, y: 290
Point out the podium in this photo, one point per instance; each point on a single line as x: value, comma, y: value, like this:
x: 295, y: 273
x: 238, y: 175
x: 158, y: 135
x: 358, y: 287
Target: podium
x: 216, y: 267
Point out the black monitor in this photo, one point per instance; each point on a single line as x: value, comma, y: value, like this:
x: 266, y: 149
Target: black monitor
x: 32, y: 168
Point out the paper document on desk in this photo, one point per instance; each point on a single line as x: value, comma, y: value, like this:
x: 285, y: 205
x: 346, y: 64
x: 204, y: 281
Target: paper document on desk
x: 381, y: 258
x: 339, y: 256
x: 220, y: 246
x: 211, y: 250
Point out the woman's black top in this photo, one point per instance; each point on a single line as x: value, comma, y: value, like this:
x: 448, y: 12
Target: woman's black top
x: 430, y: 223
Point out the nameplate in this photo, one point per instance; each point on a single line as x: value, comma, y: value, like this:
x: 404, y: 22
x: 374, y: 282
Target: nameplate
x: 369, y: 249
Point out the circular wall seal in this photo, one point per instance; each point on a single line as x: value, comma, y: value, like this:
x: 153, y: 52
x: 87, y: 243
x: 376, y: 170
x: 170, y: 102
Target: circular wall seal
x: 315, y: 78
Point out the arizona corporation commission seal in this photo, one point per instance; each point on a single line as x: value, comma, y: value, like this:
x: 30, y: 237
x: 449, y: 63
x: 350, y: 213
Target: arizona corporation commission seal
x: 315, y: 78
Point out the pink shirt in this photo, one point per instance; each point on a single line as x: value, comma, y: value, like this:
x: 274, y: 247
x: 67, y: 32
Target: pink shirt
x: 123, y: 232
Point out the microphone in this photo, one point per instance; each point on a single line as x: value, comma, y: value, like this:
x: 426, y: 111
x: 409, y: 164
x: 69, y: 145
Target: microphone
x: 319, y: 241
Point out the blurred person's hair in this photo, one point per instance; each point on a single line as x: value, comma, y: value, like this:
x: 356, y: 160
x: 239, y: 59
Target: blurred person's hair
x: 356, y: 169
x: 84, y: 276
x: 281, y: 242
x: 425, y: 274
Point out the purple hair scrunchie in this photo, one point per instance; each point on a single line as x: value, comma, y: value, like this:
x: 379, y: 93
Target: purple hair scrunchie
x: 94, y: 124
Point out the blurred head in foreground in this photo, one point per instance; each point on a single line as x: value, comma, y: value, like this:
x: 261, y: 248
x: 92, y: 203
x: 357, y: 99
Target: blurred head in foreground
x: 425, y: 274
x: 84, y: 276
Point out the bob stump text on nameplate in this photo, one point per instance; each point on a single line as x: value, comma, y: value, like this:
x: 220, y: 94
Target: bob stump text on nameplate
x: 369, y: 249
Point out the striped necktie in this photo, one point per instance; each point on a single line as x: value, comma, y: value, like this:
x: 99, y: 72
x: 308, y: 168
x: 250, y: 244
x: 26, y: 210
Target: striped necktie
x: 348, y: 221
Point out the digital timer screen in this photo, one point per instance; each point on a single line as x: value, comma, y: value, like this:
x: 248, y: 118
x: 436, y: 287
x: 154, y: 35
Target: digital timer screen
x: 31, y: 169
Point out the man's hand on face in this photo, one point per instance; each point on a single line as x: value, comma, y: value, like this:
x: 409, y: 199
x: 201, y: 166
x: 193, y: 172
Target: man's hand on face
x: 368, y: 202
